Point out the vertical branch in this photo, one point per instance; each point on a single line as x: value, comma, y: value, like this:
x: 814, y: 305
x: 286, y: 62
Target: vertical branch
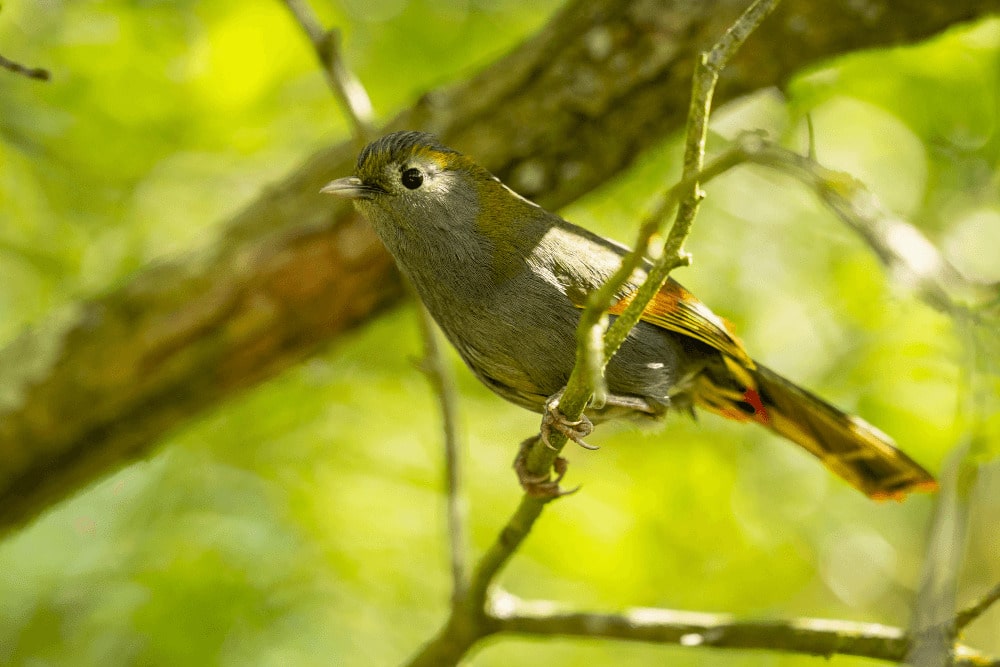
x: 706, y: 77
x: 935, y: 625
x: 934, y: 609
x: 440, y: 376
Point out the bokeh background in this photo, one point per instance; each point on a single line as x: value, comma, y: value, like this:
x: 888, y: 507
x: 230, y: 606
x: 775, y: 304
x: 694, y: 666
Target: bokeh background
x: 302, y: 523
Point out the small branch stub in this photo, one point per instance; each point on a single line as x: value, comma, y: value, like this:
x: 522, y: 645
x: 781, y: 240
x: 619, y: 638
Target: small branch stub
x: 36, y: 73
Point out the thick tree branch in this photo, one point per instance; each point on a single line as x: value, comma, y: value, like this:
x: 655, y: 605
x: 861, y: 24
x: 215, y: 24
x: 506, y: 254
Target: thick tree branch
x: 97, y: 385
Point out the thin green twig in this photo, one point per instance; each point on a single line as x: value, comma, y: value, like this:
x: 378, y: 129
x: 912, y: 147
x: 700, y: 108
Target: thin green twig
x: 590, y: 356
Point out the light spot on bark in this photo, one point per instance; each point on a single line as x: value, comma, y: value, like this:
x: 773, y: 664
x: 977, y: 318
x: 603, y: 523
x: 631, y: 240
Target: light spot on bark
x: 599, y: 43
x: 29, y: 359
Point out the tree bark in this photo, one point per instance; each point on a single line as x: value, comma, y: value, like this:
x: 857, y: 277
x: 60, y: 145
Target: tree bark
x: 100, y: 383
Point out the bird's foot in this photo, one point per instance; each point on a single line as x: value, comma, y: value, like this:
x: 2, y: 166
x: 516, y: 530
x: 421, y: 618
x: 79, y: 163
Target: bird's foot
x: 540, y: 486
x: 553, y: 419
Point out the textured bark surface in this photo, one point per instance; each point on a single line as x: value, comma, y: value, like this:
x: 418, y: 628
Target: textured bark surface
x: 101, y: 382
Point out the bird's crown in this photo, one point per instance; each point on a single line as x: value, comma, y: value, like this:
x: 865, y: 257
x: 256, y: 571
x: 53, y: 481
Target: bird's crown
x: 399, y: 147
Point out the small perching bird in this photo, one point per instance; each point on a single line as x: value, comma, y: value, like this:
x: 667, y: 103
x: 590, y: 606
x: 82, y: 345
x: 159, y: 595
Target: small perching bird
x: 506, y: 281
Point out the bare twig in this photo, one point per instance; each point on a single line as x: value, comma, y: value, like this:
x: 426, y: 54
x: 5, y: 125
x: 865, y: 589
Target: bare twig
x: 672, y: 256
x: 811, y: 137
x: 442, y: 379
x: 977, y: 609
x: 810, y: 636
x: 806, y: 636
x: 469, y: 623
x: 346, y: 87
x: 932, y: 621
x: 935, y: 622
x: 908, y: 255
x: 706, y: 77
x: 36, y: 73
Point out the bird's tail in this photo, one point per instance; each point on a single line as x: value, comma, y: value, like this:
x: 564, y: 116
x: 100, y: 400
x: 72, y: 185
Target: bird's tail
x: 847, y: 445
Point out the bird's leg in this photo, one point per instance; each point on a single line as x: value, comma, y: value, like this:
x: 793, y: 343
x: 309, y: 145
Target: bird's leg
x: 540, y: 486
x: 552, y: 418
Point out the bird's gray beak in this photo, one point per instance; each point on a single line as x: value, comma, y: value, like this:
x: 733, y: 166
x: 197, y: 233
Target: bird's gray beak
x: 349, y: 188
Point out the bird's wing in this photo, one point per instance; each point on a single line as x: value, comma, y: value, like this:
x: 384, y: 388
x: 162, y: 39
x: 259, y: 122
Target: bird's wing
x: 673, y: 308
x: 676, y: 309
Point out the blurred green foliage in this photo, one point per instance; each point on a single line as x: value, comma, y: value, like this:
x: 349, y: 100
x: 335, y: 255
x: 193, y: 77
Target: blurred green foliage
x: 302, y: 523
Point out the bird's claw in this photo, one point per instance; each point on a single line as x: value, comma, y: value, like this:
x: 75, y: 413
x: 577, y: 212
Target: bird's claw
x: 553, y: 419
x: 541, y: 486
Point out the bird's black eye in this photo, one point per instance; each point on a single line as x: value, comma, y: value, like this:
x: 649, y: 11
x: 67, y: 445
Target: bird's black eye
x: 412, y: 178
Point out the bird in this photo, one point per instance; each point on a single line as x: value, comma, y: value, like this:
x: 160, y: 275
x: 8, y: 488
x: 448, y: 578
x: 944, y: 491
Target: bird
x: 506, y: 281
